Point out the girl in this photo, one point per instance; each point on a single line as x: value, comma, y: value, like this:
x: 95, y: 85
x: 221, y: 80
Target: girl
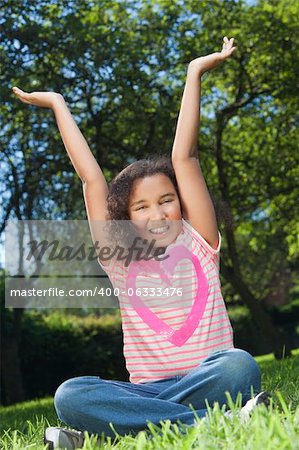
x: 177, y: 354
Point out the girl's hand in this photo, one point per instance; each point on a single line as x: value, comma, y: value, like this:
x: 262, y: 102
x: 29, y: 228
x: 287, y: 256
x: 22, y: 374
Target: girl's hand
x: 205, y: 63
x: 43, y: 99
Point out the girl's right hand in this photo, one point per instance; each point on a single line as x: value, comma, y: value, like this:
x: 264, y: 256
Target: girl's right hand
x: 43, y: 99
x: 208, y: 62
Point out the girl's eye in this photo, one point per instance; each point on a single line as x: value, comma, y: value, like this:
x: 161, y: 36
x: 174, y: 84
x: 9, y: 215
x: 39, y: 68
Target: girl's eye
x: 141, y: 207
x: 168, y: 200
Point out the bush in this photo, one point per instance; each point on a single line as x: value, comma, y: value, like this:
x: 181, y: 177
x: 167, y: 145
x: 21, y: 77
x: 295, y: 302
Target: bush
x: 246, y: 335
x: 56, y: 347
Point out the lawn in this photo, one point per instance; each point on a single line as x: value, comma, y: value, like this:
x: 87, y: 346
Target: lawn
x: 22, y: 425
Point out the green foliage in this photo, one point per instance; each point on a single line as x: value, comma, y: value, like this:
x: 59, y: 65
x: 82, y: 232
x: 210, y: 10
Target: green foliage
x: 56, y: 347
x: 121, y: 66
x: 246, y: 335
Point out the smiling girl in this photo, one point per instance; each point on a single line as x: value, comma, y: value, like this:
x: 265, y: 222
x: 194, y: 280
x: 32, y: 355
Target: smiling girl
x: 178, y: 348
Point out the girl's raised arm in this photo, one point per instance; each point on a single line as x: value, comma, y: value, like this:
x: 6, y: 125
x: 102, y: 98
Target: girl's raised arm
x: 95, y: 187
x: 196, y: 202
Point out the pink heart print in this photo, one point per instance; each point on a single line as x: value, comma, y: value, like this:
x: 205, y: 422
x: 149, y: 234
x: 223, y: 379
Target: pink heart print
x: 164, y: 269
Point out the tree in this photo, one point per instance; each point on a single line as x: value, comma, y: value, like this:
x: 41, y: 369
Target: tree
x: 121, y: 66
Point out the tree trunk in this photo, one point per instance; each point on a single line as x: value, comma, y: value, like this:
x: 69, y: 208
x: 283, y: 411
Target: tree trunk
x: 11, y: 375
x: 273, y: 337
x: 11, y: 372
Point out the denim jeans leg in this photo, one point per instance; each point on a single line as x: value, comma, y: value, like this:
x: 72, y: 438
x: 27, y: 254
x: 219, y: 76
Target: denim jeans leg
x: 90, y: 404
x: 233, y: 370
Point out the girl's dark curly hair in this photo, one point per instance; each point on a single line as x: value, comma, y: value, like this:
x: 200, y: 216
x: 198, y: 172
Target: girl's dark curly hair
x: 121, y: 186
x: 120, y: 190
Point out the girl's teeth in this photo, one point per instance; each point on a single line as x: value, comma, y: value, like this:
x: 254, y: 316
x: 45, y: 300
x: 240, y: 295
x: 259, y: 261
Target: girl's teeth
x: 159, y: 230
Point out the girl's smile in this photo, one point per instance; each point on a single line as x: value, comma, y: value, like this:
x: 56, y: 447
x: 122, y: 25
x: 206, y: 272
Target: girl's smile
x: 155, y: 209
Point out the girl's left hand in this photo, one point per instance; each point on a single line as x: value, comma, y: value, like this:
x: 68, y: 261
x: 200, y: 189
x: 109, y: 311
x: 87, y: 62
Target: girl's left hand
x: 43, y: 99
x: 205, y: 63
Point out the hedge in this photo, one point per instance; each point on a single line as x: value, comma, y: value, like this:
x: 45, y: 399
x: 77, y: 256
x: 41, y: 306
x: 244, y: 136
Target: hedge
x: 55, y: 347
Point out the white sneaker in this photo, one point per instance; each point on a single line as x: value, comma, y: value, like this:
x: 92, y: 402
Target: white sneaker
x: 63, y: 438
x: 244, y: 413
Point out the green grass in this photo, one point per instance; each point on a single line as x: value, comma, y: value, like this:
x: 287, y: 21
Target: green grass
x: 22, y: 425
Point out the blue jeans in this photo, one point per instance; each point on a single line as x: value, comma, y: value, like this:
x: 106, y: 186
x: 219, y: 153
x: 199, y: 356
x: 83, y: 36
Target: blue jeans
x: 90, y: 403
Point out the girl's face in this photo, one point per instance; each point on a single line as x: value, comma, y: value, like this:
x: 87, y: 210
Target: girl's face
x: 155, y: 210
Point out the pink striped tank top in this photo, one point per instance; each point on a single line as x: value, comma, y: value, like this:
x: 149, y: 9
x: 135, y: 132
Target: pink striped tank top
x: 173, y: 313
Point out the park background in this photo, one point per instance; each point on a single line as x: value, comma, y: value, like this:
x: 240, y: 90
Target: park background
x: 121, y: 66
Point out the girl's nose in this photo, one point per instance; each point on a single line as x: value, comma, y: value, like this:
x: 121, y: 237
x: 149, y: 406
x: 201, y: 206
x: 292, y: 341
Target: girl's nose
x: 157, y: 213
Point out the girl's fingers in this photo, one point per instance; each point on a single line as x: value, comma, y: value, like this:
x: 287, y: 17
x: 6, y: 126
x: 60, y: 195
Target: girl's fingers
x: 17, y: 90
x: 227, y: 44
x: 21, y: 94
x: 228, y: 47
x: 228, y: 41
